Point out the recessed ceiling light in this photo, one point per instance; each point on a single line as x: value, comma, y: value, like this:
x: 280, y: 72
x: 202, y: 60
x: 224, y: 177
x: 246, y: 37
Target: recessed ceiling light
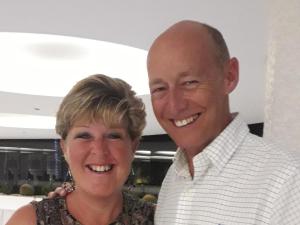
x: 54, y: 51
x: 42, y: 64
x: 26, y: 121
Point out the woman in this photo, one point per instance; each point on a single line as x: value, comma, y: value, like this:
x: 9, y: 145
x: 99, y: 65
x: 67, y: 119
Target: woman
x: 100, y: 122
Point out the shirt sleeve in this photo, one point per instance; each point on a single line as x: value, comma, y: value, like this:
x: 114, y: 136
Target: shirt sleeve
x: 287, y: 206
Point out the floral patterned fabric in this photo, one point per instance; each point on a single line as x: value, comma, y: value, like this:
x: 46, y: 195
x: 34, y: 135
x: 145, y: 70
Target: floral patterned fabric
x: 55, y: 212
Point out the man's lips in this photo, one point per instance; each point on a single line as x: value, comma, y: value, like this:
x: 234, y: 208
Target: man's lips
x: 186, y: 121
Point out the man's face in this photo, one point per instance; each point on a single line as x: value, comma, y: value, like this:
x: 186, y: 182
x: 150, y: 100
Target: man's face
x: 189, y: 93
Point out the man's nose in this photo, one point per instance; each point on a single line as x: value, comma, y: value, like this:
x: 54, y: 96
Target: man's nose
x: 176, y: 101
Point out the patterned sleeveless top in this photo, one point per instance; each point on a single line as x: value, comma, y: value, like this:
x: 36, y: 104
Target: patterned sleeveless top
x: 54, y: 212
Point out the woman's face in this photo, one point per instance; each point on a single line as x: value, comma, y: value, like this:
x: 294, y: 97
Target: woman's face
x: 99, y: 157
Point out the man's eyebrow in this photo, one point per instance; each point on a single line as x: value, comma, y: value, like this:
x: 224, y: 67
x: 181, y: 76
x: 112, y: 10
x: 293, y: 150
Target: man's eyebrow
x: 160, y: 80
x: 155, y: 81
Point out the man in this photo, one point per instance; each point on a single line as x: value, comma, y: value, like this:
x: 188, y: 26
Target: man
x: 221, y: 173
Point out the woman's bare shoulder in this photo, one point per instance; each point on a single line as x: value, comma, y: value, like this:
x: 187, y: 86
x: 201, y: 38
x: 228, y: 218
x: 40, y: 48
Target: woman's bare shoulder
x: 23, y: 216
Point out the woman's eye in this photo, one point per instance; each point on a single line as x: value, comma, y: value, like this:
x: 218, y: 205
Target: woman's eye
x: 114, y: 136
x: 83, y: 136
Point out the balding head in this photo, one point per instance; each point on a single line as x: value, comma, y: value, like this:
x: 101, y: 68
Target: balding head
x: 190, y: 34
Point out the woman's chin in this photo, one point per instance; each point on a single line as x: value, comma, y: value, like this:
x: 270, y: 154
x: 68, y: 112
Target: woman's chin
x: 102, y: 190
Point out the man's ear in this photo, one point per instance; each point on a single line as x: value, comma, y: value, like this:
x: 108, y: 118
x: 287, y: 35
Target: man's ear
x: 232, y: 75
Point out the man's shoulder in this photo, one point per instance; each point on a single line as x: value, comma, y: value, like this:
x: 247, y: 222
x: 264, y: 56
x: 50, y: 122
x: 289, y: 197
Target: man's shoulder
x: 270, y: 153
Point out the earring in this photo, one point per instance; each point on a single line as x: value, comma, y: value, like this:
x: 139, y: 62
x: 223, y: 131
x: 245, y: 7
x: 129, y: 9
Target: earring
x: 69, y: 184
x: 130, y: 180
x: 132, y: 172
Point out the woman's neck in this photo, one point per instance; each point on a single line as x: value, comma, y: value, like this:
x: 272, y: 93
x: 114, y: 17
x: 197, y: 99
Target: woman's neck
x: 90, y: 210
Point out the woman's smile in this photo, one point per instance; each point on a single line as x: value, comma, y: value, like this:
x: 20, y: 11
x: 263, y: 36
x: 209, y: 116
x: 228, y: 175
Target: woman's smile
x: 100, y: 168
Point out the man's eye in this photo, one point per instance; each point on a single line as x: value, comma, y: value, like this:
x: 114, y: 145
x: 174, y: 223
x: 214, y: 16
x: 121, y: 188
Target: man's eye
x: 190, y: 83
x: 157, y: 90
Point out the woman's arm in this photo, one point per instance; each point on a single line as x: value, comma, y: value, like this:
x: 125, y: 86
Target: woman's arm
x: 23, y: 216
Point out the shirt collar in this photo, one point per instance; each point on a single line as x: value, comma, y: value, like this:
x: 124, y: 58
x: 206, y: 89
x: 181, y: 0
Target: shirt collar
x: 181, y: 164
x: 218, y: 153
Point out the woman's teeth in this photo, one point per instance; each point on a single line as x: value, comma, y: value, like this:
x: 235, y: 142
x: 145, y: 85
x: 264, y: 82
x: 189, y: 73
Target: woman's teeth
x: 184, y: 122
x: 98, y: 169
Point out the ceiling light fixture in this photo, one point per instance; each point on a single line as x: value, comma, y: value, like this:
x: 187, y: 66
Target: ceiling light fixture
x: 26, y: 121
x: 49, y: 65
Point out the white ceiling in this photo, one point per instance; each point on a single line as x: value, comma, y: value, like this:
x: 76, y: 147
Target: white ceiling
x: 136, y: 23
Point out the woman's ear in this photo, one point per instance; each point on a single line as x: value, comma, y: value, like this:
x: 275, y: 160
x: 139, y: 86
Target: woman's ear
x: 135, y: 144
x: 63, y: 148
x: 232, y: 75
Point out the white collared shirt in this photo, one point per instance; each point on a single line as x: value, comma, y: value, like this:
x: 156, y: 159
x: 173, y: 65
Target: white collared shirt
x: 238, y: 179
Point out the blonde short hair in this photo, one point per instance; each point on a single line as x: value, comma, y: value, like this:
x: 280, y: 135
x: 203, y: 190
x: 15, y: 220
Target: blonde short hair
x: 101, y: 97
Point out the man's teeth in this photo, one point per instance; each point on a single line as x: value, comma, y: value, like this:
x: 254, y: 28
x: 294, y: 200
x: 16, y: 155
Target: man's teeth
x: 100, y: 168
x: 181, y: 123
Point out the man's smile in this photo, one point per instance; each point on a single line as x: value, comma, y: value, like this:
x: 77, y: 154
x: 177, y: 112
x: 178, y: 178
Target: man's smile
x: 186, y: 121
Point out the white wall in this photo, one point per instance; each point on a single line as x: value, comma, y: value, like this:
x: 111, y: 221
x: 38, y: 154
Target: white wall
x: 282, y: 110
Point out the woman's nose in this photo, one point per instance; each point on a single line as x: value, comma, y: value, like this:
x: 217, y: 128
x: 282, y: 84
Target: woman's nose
x: 99, y: 147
